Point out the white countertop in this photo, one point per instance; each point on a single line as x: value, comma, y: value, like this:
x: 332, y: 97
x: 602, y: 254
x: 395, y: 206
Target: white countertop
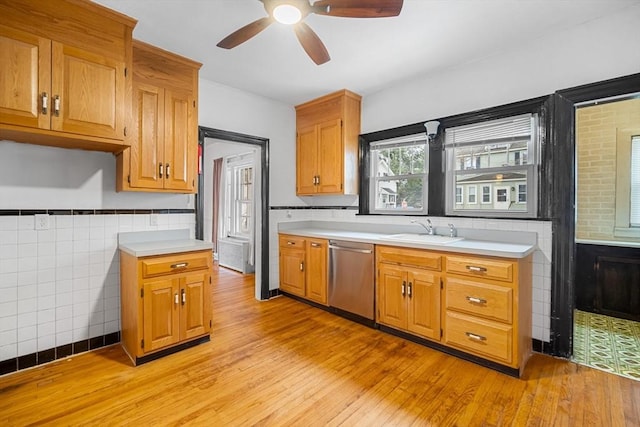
x: 149, y: 243
x: 468, y: 246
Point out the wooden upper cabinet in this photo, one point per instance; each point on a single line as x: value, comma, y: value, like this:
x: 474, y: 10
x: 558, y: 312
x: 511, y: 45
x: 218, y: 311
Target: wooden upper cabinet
x: 327, y: 145
x: 163, y: 152
x: 63, y: 74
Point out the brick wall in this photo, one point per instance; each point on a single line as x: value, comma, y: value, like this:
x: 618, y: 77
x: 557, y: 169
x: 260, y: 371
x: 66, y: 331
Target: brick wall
x: 596, y: 129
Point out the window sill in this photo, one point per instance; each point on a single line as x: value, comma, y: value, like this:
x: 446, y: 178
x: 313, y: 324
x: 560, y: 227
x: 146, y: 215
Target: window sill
x: 630, y: 232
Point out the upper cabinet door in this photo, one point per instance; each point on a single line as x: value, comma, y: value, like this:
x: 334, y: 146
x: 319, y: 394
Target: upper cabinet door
x: 307, y: 155
x: 330, y: 157
x: 147, y: 149
x: 179, y: 149
x: 88, y: 93
x: 25, y: 78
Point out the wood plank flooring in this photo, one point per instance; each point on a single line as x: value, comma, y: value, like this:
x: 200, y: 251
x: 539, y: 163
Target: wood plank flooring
x: 282, y: 362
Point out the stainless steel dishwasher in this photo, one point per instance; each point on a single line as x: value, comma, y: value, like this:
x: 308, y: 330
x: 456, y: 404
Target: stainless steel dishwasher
x: 351, y: 277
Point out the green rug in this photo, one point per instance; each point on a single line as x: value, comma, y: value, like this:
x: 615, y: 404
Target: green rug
x: 607, y: 343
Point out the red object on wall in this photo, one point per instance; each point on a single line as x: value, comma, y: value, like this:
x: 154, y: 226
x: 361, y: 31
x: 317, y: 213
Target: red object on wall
x: 199, y: 159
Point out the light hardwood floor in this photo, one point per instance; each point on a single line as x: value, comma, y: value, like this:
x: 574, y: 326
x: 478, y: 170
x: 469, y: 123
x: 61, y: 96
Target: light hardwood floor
x: 282, y: 362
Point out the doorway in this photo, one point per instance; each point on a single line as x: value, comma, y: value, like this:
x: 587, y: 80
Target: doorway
x: 260, y: 181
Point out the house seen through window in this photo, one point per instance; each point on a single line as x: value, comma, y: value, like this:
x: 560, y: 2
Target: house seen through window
x: 399, y: 171
x: 500, y: 158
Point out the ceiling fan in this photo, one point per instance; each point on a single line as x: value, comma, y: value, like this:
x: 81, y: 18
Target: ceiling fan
x: 293, y: 12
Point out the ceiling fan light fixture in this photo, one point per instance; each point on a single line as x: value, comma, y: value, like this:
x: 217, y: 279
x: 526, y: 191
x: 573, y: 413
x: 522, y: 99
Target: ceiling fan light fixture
x: 287, y: 14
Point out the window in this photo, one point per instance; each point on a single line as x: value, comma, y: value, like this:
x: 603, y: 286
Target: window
x: 239, y: 197
x: 399, y: 171
x: 628, y: 184
x: 458, y: 195
x: 499, y: 156
x: 486, y: 194
x: 522, y: 193
x: 471, y: 194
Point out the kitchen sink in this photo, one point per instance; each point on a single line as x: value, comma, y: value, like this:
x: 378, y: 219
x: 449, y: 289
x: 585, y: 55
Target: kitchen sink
x: 422, y: 238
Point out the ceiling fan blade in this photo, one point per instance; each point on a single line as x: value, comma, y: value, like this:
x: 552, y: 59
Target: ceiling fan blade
x: 358, y: 8
x: 311, y: 43
x: 245, y: 33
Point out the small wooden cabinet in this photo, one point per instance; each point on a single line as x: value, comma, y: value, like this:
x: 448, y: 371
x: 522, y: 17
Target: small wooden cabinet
x: 164, y: 139
x: 166, y: 301
x: 487, y: 303
x: 327, y: 131
x: 304, y: 267
x: 66, y: 81
x: 409, y: 290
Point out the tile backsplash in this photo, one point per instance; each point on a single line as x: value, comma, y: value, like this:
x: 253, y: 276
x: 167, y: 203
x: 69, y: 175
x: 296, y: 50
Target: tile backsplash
x: 61, y: 285
x: 541, y: 293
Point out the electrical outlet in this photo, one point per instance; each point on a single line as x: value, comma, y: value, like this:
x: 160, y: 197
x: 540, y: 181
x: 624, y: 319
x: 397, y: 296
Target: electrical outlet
x: 153, y: 219
x: 42, y: 221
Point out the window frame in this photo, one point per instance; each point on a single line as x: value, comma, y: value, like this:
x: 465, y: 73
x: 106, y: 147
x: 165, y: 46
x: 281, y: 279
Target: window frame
x: 475, y: 194
x: 233, y: 211
x: 530, y: 167
x: 623, y: 227
x: 374, y: 179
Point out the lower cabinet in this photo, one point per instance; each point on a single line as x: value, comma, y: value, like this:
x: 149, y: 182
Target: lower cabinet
x: 304, y: 267
x: 409, y: 299
x: 166, y: 301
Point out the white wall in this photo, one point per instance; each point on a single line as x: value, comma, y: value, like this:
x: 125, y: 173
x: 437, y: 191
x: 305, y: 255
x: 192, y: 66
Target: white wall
x: 597, y: 50
x: 226, y: 108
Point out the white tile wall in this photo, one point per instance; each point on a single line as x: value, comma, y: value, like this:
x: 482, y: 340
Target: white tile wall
x: 62, y: 285
x: 541, y: 295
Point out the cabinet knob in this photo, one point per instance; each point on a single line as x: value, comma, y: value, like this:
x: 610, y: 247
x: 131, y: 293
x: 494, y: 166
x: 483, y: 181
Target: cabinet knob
x: 475, y: 337
x: 476, y: 300
x: 45, y: 103
x: 56, y: 106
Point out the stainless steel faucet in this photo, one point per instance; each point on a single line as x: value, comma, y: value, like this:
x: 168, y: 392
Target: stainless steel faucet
x: 452, y: 231
x: 426, y: 226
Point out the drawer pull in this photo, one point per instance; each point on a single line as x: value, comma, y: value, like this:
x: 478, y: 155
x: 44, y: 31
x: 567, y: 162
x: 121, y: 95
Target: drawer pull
x: 476, y: 268
x: 476, y: 300
x: 475, y: 337
x: 289, y: 242
x: 315, y: 245
x: 180, y: 265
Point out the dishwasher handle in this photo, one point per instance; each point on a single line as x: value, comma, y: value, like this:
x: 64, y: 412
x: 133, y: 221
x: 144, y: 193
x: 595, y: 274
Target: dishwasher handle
x: 343, y: 248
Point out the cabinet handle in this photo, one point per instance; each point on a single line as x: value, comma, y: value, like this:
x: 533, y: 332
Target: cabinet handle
x: 302, y: 266
x: 318, y: 180
x: 160, y: 167
x: 314, y: 180
x: 476, y: 269
x: 409, y: 290
x: 180, y: 265
x: 404, y: 284
x: 167, y: 170
x: 476, y: 300
x: 289, y: 242
x: 56, y: 105
x: 315, y: 245
x: 45, y: 103
x: 184, y: 297
x: 475, y: 337
x: 176, y: 300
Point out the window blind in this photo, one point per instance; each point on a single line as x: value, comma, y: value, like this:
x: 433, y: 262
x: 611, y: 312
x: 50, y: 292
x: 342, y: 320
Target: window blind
x: 634, y: 216
x: 501, y: 130
x: 404, y: 141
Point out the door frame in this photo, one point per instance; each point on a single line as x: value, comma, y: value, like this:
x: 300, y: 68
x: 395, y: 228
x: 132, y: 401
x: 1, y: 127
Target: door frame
x: 263, y: 144
x: 563, y: 163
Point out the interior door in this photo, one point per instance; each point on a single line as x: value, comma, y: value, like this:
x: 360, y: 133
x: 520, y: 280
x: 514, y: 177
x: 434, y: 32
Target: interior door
x: 25, y: 77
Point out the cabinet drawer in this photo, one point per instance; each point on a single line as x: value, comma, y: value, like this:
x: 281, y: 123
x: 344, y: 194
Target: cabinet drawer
x: 480, y: 299
x: 484, y: 338
x: 481, y: 267
x: 287, y: 241
x: 175, y: 263
x: 417, y: 258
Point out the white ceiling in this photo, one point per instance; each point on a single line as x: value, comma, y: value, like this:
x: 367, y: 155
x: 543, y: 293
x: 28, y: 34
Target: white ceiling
x: 367, y: 55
